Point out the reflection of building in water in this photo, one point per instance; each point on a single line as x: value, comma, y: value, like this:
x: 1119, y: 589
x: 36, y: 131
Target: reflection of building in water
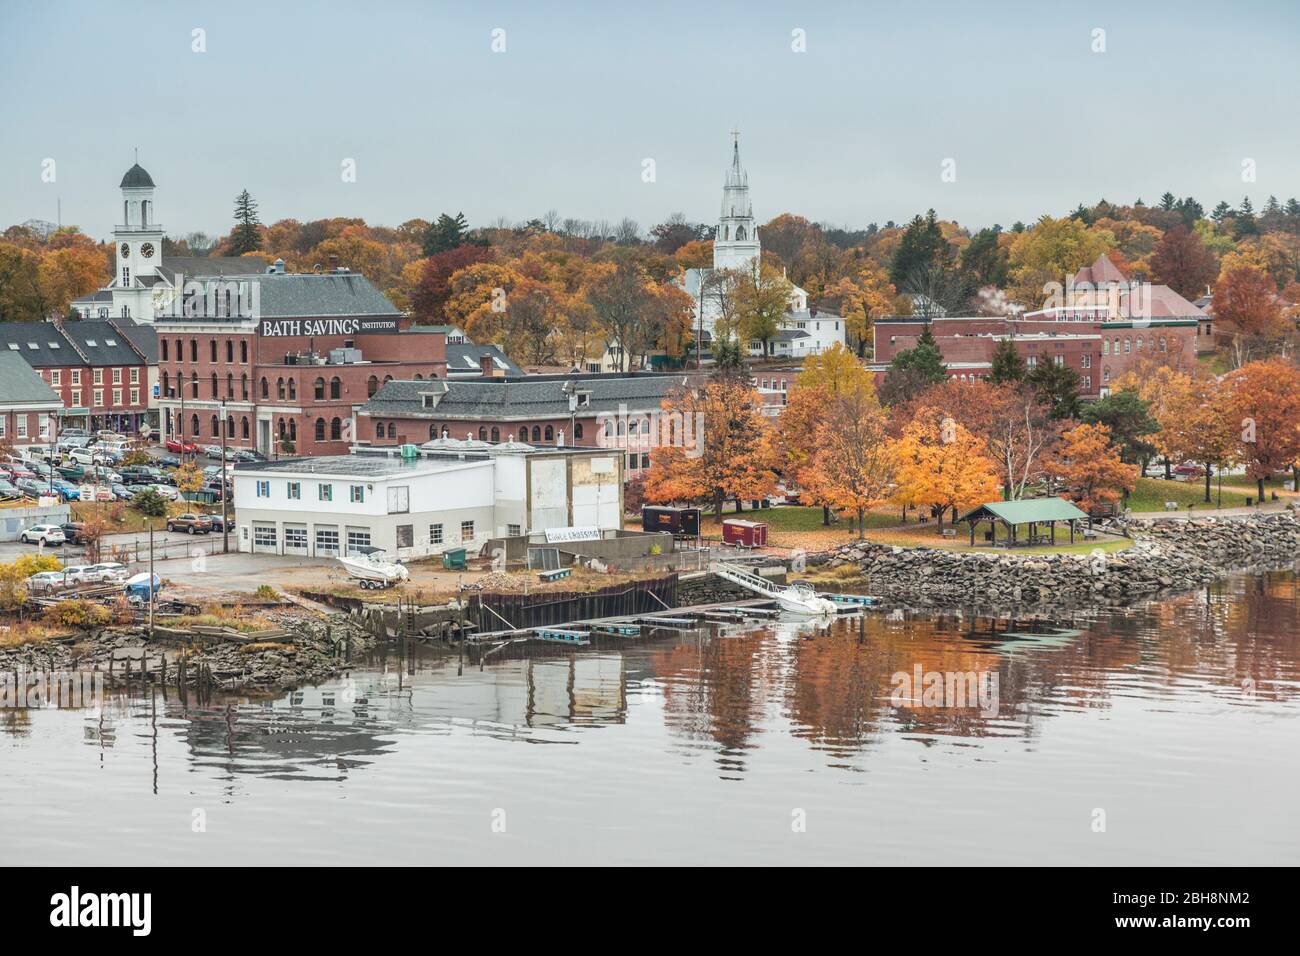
x: 588, y: 687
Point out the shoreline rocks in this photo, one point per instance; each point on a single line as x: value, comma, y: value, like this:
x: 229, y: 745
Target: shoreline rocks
x: 1167, y: 554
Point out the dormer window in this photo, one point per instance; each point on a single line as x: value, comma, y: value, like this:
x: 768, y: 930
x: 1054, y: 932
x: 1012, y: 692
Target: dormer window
x: 584, y: 399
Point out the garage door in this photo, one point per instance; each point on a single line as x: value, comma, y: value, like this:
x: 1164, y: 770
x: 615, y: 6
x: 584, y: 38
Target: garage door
x: 295, y: 539
x: 264, y: 539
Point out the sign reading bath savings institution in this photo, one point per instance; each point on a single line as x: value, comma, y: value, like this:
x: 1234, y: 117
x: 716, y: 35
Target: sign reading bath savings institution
x: 281, y: 328
x: 562, y: 535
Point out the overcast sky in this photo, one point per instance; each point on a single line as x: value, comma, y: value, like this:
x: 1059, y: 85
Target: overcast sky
x: 854, y: 130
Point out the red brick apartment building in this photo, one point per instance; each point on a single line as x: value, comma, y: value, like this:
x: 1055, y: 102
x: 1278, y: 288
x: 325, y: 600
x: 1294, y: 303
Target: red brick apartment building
x: 283, y: 361
x: 1108, y: 326
x: 100, y: 377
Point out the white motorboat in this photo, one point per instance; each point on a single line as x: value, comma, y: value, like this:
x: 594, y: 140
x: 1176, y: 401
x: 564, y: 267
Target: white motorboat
x: 372, y: 569
x: 795, y: 598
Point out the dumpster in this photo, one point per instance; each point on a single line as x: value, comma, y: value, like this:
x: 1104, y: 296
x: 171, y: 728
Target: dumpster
x: 684, y: 522
x: 454, y: 560
x: 744, y: 534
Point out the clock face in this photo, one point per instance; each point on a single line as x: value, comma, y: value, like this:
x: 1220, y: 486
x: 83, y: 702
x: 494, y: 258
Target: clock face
x: 147, y: 250
x: 125, y: 251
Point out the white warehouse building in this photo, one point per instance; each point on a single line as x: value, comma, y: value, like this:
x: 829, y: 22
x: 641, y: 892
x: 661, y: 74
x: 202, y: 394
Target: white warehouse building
x: 445, y: 494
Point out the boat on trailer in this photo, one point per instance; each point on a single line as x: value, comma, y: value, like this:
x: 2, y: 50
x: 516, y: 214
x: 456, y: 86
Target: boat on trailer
x: 372, y: 569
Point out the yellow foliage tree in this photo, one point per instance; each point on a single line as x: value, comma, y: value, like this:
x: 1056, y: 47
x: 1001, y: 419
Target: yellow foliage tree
x: 1089, y: 465
x: 938, y: 463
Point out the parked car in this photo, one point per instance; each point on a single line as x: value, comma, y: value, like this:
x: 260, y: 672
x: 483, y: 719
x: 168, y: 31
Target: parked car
x: 167, y: 461
x: 8, y: 490
x: 19, y: 472
x: 232, y: 454
x: 181, y: 448
x: 48, y: 534
x: 248, y: 454
x: 85, y: 456
x: 65, y: 490
x: 140, y: 475
x: 218, y: 522
x: 74, y: 532
x: 167, y: 491
x: 212, y: 451
x: 73, y: 433
x: 122, y: 492
x: 43, y: 582
x: 32, y: 488
x: 68, y: 442
x: 109, y: 572
x: 1188, y: 472
x: 76, y: 574
x: 190, y: 524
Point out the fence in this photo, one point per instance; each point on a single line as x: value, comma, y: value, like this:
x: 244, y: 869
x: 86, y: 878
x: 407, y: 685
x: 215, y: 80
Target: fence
x: 165, y: 548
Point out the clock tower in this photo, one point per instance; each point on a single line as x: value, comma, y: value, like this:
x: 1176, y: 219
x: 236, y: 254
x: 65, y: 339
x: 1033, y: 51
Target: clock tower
x: 139, y: 247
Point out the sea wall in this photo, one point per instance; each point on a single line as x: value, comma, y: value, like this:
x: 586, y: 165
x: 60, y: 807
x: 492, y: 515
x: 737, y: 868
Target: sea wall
x: 1166, y: 554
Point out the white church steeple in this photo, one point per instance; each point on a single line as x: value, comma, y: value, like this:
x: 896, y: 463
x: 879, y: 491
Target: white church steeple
x: 736, y: 245
x: 139, y: 237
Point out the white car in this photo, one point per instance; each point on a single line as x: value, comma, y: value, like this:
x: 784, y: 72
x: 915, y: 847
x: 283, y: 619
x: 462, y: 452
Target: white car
x: 77, y: 574
x: 84, y: 456
x: 47, y: 534
x: 170, y: 492
x: 109, y: 572
x: 45, y: 581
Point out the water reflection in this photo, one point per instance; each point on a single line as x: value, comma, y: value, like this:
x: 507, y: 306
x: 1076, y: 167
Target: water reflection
x: 728, y: 694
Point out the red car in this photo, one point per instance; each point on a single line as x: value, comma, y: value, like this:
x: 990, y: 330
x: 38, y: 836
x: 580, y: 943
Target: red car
x: 181, y: 448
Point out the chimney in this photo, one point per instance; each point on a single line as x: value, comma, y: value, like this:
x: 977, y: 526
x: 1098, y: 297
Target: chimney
x: 486, y: 366
x: 334, y: 262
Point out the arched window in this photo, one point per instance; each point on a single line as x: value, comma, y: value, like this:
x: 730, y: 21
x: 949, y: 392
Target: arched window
x: 631, y: 427
x: 166, y: 386
x: 319, y: 386
x: 194, y: 350
x: 1105, y: 346
x: 446, y: 433
x: 336, y: 429
x: 215, y: 427
x: 230, y: 351
x: 243, y: 386
x: 577, y: 430
x: 419, y: 377
x: 433, y: 432
x: 243, y: 352
x: 482, y: 433
x: 320, y: 429
x: 214, y: 384
x: 387, y: 379
x: 162, y: 348
x: 336, y: 387
x: 740, y: 233
x: 1128, y: 345
x: 372, y: 386
x: 537, y: 433
x: 194, y: 425
x: 1162, y: 343
x: 496, y: 434
x: 550, y: 433
x: 230, y: 426
x: 379, y: 429
x: 266, y: 388
x: 194, y: 384
x: 1139, y: 343
x: 279, y: 388
x: 282, y: 429
x: 293, y: 388
x: 609, y: 428
x: 1105, y: 375
x: 230, y: 385
x: 243, y: 427
x: 392, y: 429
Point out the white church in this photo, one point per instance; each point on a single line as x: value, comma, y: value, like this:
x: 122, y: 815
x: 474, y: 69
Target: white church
x: 146, y: 283
x: 737, y: 247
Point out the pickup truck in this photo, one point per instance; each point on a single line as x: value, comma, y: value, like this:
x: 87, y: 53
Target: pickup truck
x: 190, y: 524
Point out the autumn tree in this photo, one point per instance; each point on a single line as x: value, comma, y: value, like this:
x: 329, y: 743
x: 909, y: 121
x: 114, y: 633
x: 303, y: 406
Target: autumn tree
x: 853, y: 464
x: 1245, y: 299
x: 433, y: 287
x: 731, y: 454
x: 622, y: 299
x: 1089, y: 466
x: 938, y: 463
x: 764, y: 296
x: 1196, y: 424
x: 1182, y: 262
x: 1264, y: 398
x: 863, y: 298
x: 1051, y: 252
x: 1128, y: 417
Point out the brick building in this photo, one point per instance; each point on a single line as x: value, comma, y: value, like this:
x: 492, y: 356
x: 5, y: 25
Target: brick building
x: 284, y: 360
x: 99, y: 375
x: 1106, y: 326
x: 28, y: 405
x: 602, y: 410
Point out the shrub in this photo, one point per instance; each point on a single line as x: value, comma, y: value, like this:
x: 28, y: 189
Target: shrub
x: 267, y: 593
x: 149, y: 502
x: 14, y: 575
x: 81, y: 615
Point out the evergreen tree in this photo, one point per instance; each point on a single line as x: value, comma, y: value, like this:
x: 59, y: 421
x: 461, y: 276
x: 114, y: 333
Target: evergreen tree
x: 983, y: 261
x: 444, y: 234
x: 728, y: 359
x: 921, y: 245
x: 1221, y: 212
x: 245, y: 237
x: 1167, y: 201
x: 1190, y: 210
x: 1008, y: 366
x: 1057, y: 386
x: 913, y: 371
x: 1129, y: 419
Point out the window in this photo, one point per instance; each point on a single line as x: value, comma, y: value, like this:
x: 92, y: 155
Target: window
x: 76, y: 397
x: 577, y: 430
x: 336, y: 429
x: 399, y: 500
x: 55, y: 377
x: 466, y: 531
x: 513, y: 530
x: 435, y: 534
x: 550, y: 433
x: 358, y: 538
x: 1087, y: 383
x: 319, y: 388
x: 162, y: 349
x: 279, y: 388
x: 212, y: 350
x: 243, y: 353
x: 243, y: 426
x: 392, y: 429
x: 194, y: 350
x: 117, y: 376
x: 76, y: 376
x: 405, y: 535
x: 631, y: 461
x: 98, y: 396
x: 357, y: 493
x: 98, y: 376
x: 230, y: 359
x: 215, y: 426
x: 537, y: 432
x: 325, y: 492
x: 264, y: 536
x: 496, y: 434
x: 135, y: 375
x: 295, y: 490
x: 263, y: 489
x: 21, y: 422
x: 336, y: 387
x: 372, y: 386
x: 327, y: 541
x: 266, y: 391
x: 645, y: 458
x: 320, y: 429
x: 1086, y: 361
x: 117, y: 396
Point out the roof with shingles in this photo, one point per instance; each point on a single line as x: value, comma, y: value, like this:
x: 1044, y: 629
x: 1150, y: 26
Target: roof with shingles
x: 41, y: 344
x: 204, y: 266
x: 143, y: 337
x: 1026, y: 510
x: 465, y: 356
x: 20, y: 385
x: 102, y: 343
x: 489, y: 399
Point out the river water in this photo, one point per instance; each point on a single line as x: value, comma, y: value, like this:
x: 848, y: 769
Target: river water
x: 1164, y: 734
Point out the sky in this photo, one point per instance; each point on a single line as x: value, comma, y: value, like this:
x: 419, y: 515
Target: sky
x: 858, y: 126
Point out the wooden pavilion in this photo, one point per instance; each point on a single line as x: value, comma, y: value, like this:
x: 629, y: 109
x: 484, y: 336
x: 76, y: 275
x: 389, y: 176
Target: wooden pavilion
x: 1028, y: 511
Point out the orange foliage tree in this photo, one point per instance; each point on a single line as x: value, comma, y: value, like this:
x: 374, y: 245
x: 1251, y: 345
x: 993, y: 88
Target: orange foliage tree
x: 1089, y: 465
x: 853, y: 464
x: 1264, y: 398
x: 939, y: 463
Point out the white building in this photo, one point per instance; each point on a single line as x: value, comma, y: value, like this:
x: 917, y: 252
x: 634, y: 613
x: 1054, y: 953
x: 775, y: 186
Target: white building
x: 737, y: 247
x: 445, y: 494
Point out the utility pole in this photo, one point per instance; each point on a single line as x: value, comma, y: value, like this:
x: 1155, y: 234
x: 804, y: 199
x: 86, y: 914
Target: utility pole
x: 151, y: 579
x: 225, y: 518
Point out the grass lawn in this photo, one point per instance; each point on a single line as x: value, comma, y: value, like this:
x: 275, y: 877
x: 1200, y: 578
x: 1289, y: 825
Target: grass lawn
x: 120, y: 517
x: 1152, y: 493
